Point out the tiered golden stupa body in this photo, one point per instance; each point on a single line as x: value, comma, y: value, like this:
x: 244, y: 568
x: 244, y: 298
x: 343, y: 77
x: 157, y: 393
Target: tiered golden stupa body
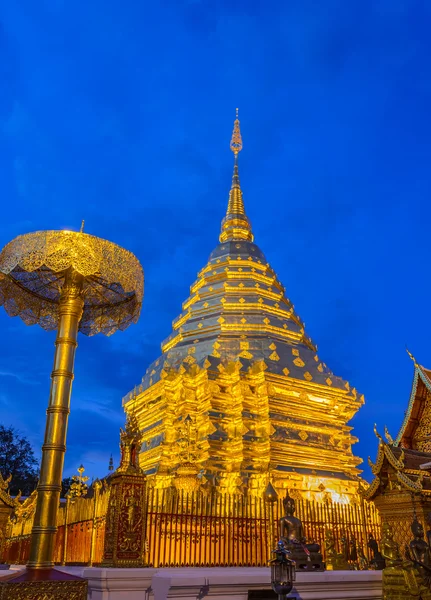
x: 239, y: 396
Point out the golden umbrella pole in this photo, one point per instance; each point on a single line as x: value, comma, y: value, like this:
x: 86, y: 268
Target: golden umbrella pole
x: 71, y: 282
x: 70, y: 311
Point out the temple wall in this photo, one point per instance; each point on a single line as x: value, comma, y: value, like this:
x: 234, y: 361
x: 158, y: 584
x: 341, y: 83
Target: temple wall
x: 399, y: 509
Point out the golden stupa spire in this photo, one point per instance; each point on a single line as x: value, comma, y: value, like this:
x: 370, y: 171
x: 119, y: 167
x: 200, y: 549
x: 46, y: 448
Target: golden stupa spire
x: 236, y: 226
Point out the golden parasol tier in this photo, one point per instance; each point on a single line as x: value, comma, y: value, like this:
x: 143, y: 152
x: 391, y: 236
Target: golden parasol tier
x: 33, y: 269
x: 71, y: 282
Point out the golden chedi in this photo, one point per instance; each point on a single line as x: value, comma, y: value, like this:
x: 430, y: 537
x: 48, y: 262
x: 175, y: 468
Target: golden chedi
x: 239, y: 395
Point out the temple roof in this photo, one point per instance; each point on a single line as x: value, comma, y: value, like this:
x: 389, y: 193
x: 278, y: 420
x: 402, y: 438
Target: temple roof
x: 418, y: 403
x: 238, y: 310
x: 406, y: 457
x: 404, y: 465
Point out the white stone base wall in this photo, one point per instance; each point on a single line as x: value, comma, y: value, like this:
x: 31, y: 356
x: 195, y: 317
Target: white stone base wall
x: 232, y: 583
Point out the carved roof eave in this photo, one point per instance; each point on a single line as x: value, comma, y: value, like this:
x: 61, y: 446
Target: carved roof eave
x: 8, y: 500
x: 384, y: 453
x: 372, y: 489
x: 412, y: 486
x: 419, y: 372
x: 403, y: 479
x: 376, y: 467
x: 29, y: 504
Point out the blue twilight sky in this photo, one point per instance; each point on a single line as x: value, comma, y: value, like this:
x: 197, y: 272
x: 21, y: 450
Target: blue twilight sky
x: 121, y: 114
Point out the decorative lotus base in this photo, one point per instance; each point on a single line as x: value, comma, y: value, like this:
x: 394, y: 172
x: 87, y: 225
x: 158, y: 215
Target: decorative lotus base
x: 43, y: 584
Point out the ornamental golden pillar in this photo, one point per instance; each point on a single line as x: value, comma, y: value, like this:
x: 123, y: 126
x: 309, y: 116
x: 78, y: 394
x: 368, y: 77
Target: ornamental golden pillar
x: 45, y: 520
x: 70, y: 282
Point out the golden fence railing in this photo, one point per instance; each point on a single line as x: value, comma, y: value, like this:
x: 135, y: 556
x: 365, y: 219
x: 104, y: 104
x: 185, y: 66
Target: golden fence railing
x: 197, y: 529
x: 231, y: 530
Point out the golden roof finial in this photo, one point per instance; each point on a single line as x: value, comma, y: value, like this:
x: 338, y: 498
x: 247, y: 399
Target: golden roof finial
x: 235, y: 225
x: 412, y: 357
x: 236, y: 141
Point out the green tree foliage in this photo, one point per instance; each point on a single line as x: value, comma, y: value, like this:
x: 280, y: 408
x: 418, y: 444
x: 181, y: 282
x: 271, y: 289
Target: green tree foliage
x: 17, y: 459
x: 65, y: 486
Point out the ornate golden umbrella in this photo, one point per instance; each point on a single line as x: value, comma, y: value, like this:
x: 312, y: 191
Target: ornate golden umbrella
x: 71, y: 282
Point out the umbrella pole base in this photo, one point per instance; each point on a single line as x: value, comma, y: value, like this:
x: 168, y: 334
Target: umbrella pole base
x: 43, y: 584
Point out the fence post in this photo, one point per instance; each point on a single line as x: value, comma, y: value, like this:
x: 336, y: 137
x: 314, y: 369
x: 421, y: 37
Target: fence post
x: 66, y: 518
x: 96, y: 487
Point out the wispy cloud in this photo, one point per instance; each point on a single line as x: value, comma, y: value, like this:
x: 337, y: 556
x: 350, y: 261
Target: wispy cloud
x: 99, y: 407
x: 20, y: 377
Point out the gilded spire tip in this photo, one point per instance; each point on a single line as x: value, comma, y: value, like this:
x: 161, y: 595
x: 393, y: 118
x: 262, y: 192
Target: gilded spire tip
x: 236, y: 141
x: 235, y: 225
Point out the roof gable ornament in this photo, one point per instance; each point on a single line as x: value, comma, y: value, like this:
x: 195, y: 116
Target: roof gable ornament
x: 412, y: 357
x: 421, y: 377
x: 388, y: 436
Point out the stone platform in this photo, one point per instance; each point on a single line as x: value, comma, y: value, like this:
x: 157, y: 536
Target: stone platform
x: 232, y: 583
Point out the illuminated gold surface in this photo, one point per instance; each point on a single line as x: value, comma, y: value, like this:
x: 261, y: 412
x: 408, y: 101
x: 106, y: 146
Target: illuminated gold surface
x: 32, y: 272
x: 239, y: 363
x: 74, y: 282
x: 53, y: 449
x: 236, y: 224
x: 204, y: 527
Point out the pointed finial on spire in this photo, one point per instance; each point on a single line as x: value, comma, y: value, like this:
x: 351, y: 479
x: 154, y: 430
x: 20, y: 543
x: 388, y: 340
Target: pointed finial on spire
x: 111, y: 463
x: 236, y: 226
x: 236, y: 141
x: 412, y: 357
x: 82, y: 226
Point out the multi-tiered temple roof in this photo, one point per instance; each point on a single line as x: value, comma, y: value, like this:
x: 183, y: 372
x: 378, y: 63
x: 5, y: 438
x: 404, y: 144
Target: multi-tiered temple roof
x: 238, y: 312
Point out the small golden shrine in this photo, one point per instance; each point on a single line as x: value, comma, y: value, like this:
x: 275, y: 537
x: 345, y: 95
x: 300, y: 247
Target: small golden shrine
x: 401, y: 487
x: 125, y: 531
x: 239, y: 395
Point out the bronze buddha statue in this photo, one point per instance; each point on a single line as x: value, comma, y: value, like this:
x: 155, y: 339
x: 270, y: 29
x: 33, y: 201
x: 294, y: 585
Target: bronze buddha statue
x: 306, y: 556
x: 389, y: 548
x: 419, y: 549
x: 335, y: 561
